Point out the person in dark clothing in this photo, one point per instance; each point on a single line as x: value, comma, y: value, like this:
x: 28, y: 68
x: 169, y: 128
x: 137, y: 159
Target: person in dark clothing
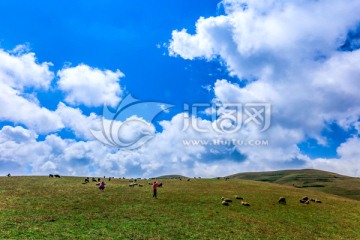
x: 102, y: 186
x: 155, y: 185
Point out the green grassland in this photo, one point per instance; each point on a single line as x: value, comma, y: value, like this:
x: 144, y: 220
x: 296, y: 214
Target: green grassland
x: 63, y: 208
x: 309, y: 178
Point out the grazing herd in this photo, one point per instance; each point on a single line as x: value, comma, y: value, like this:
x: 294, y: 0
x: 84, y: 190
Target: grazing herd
x: 307, y: 200
x: 133, y: 182
x: 224, y: 201
x: 282, y: 200
x: 140, y: 185
x: 54, y: 175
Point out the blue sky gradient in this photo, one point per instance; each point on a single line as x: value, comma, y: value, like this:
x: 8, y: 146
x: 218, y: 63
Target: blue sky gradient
x: 144, y: 41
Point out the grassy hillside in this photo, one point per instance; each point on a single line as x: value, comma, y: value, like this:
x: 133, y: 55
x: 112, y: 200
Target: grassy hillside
x: 309, y: 178
x: 171, y: 177
x: 49, y: 208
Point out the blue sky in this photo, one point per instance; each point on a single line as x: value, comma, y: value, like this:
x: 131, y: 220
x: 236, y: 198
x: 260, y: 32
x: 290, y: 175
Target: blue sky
x: 113, y: 35
x: 61, y: 62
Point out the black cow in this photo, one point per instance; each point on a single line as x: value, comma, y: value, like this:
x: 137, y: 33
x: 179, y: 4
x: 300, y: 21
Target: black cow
x: 50, y: 175
x: 57, y: 175
x: 282, y: 200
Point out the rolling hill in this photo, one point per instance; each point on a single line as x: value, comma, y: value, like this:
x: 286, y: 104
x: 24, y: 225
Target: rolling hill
x: 64, y: 208
x: 171, y: 177
x: 309, y: 178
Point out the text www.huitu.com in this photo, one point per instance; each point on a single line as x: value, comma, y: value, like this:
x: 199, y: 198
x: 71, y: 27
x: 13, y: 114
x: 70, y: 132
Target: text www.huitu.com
x: 225, y: 142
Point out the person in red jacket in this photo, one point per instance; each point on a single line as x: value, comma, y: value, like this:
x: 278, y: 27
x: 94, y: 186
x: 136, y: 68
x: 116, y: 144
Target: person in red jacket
x: 155, y: 185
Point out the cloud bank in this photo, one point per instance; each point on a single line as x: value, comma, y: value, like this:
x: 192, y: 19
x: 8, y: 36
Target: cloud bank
x: 291, y: 54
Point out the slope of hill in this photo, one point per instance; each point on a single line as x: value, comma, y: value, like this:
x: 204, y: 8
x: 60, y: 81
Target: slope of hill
x: 64, y: 208
x: 170, y: 177
x: 309, y: 178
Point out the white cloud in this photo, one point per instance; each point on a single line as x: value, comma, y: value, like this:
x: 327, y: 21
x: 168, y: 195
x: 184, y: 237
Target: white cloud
x: 17, y: 109
x: 348, y: 162
x: 129, y: 134
x: 20, y: 70
x: 268, y: 41
x: 21, y: 153
x: 167, y: 153
x: 309, y: 98
x: 17, y: 134
x: 74, y: 119
x: 288, y: 48
x: 90, y: 86
x: 19, y: 149
x: 264, y: 38
x: 291, y: 51
x: 57, y: 155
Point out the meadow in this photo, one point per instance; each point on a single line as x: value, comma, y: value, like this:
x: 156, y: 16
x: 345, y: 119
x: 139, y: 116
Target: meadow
x: 313, y: 179
x: 40, y: 207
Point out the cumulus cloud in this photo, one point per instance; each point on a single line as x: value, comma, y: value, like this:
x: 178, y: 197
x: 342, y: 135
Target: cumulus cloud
x: 291, y: 53
x: 287, y: 49
x: 19, y: 70
x: 21, y: 150
x: 22, y: 154
x: 17, y: 147
x: 90, y: 86
x: 19, y: 110
x: 74, y: 119
x: 268, y: 35
x: 16, y: 134
x: 348, y: 162
x: 309, y: 98
x: 176, y: 150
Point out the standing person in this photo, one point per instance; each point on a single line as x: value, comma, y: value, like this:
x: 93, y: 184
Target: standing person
x: 155, y: 185
x: 102, y: 186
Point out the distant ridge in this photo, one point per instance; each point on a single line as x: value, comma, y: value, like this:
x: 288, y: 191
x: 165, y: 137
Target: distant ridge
x: 170, y: 176
x: 308, y: 178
